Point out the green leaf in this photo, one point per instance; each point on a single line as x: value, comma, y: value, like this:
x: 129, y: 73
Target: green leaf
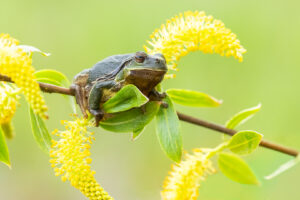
x: 128, y: 97
x: 4, y: 155
x: 168, y: 131
x: 40, y: 131
x: 31, y: 49
x: 49, y: 81
x: 284, y: 167
x: 192, y: 98
x: 56, y: 78
x: 242, y: 117
x: 8, y: 130
x: 136, y: 133
x: 244, y: 142
x: 236, y: 169
x: 132, y: 120
x: 52, y: 75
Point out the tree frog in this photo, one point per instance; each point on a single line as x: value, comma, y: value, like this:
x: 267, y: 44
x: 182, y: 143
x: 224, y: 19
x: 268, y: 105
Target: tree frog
x: 96, y: 85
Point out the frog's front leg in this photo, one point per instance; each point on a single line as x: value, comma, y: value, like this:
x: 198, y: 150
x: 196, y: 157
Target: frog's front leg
x: 95, y: 97
x: 157, y: 96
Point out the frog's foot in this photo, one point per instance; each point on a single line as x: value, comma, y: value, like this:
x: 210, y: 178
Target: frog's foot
x: 98, y: 114
x: 157, y: 96
x: 164, y: 104
x: 162, y: 95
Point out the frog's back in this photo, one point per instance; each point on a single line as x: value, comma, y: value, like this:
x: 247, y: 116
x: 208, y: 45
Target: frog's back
x: 106, y: 66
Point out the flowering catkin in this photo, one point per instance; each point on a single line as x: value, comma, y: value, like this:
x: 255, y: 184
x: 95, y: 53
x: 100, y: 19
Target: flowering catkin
x: 71, y: 159
x: 17, y: 64
x: 184, y: 180
x: 193, y: 31
x: 8, y: 102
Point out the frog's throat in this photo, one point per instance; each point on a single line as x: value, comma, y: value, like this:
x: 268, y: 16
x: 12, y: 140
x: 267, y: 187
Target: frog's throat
x: 145, y: 80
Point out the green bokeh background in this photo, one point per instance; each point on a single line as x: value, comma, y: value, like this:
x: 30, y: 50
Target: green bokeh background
x: 80, y: 33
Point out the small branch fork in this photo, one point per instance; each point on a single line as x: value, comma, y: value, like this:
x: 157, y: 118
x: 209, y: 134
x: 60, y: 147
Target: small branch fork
x: 49, y: 88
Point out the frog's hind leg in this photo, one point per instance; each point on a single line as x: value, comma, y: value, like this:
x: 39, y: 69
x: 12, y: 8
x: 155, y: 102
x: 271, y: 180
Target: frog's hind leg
x: 81, y: 99
x: 95, y: 97
x: 85, y: 100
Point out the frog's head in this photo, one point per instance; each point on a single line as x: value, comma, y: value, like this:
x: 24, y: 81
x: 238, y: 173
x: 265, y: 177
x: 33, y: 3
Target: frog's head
x: 145, y: 71
x: 143, y: 61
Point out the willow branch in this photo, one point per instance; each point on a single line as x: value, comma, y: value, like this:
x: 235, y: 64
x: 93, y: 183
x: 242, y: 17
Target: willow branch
x: 49, y: 88
x: 231, y: 132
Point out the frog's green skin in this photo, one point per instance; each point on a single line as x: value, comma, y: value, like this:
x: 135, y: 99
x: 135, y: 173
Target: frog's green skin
x: 96, y: 85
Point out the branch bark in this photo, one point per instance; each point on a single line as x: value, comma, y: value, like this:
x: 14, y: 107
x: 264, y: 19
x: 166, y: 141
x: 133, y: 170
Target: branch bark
x: 49, y: 88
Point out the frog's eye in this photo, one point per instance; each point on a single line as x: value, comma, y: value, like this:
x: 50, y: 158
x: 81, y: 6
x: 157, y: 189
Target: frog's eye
x: 140, y: 57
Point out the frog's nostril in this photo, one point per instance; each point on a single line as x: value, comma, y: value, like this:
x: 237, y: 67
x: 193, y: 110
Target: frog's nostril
x: 160, y: 61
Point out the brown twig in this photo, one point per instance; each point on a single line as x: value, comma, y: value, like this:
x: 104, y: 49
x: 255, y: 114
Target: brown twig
x: 49, y: 88
x: 231, y: 132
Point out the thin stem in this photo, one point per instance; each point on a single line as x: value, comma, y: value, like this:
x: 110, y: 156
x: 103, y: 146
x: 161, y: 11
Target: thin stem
x: 49, y: 88
x: 45, y: 87
x: 231, y: 132
x: 216, y: 150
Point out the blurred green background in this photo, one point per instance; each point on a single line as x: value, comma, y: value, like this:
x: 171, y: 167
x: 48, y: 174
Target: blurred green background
x: 80, y: 33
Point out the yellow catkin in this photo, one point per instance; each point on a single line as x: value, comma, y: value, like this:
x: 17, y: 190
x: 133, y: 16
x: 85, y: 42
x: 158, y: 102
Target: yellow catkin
x: 8, y: 102
x: 71, y: 158
x: 193, y: 31
x: 17, y: 64
x: 184, y: 180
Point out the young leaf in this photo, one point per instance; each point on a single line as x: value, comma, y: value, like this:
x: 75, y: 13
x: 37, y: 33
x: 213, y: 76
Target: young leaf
x: 4, y: 155
x: 128, y: 97
x: 168, y: 131
x: 286, y: 166
x: 242, y: 117
x: 56, y: 78
x: 192, y: 98
x: 136, y: 133
x: 31, y: 49
x: 132, y: 120
x: 236, y: 169
x: 49, y: 81
x: 8, y: 130
x: 40, y: 131
x: 244, y: 142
